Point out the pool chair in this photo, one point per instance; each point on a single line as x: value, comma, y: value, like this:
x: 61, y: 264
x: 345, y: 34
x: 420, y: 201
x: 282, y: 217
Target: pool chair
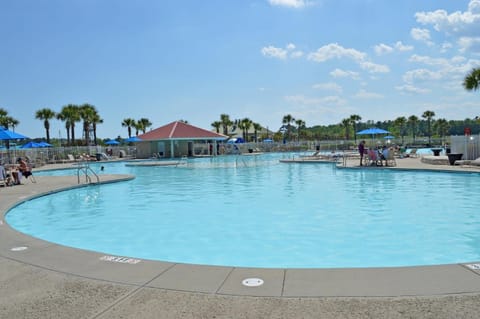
x: 374, y: 158
x: 413, y: 153
x: 390, y: 159
x: 3, y: 176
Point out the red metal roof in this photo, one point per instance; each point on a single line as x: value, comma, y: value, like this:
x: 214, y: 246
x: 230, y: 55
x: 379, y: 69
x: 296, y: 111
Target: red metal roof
x: 181, y: 131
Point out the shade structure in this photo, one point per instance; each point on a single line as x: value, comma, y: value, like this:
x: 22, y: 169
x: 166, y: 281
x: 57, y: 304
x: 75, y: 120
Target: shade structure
x: 389, y: 137
x: 31, y: 145
x: 10, y: 135
x: 372, y: 131
x: 112, y: 142
x: 133, y: 139
x: 44, y: 144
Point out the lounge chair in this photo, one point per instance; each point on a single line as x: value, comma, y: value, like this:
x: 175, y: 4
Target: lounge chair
x: 413, y: 153
x: 3, y: 176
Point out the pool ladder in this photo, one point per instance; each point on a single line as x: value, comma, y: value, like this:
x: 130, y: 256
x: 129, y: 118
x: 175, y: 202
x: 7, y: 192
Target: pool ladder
x: 84, y: 168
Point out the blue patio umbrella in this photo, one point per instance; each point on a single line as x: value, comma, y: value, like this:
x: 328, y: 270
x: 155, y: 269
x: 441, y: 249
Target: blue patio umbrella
x: 10, y: 135
x: 133, y: 139
x: 112, y: 142
x: 44, y: 144
x: 31, y: 145
x: 373, y: 131
x: 389, y: 137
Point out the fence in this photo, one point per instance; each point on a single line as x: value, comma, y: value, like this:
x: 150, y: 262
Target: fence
x: 41, y: 156
x: 468, y: 145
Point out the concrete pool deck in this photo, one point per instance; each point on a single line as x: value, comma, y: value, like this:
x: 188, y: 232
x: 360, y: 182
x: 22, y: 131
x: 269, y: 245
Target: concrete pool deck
x: 39, y: 279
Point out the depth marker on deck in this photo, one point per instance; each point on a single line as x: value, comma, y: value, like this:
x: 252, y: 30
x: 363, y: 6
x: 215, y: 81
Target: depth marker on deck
x: 122, y: 260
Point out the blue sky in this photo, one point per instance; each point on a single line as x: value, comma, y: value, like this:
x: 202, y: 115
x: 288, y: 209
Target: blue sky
x: 318, y: 60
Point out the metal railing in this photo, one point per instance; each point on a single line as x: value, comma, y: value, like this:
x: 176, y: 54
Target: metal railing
x: 84, y: 168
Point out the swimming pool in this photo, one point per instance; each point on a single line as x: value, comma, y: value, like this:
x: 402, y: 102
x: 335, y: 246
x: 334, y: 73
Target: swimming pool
x: 253, y: 211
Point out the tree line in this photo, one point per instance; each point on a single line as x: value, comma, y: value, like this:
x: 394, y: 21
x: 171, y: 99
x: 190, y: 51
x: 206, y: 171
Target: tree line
x: 71, y: 114
x: 290, y: 128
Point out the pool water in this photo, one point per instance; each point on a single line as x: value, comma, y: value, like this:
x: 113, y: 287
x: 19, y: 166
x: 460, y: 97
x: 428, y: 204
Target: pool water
x: 253, y: 211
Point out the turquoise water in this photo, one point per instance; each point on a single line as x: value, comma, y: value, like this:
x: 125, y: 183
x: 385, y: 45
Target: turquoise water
x: 253, y: 211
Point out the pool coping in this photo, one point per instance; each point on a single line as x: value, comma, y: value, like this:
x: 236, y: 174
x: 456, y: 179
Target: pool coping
x: 449, y: 279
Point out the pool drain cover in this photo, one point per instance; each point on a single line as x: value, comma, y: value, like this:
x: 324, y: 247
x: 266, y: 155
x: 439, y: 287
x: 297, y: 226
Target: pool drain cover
x: 19, y: 248
x: 252, y: 282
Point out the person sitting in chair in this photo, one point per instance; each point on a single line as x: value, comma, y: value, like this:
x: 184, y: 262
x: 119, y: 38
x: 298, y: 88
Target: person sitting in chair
x: 23, y: 168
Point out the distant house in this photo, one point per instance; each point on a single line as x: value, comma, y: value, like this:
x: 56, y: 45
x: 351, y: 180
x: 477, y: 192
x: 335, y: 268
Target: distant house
x: 177, y: 139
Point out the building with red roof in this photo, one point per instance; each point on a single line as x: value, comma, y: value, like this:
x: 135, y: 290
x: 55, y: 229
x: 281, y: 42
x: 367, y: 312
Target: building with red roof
x: 178, y: 139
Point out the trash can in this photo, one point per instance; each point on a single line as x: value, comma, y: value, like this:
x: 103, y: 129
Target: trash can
x: 98, y: 156
x: 121, y: 154
x: 452, y: 157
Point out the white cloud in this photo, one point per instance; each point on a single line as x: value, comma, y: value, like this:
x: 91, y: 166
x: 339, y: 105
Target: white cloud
x: 408, y: 88
x: 363, y: 94
x: 381, y: 49
x: 402, y: 47
x: 334, y: 50
x: 461, y: 23
x: 421, y: 74
x: 338, y: 73
x: 464, y: 26
x: 422, y: 35
x: 374, y: 68
x: 469, y: 44
x: 273, y: 52
x: 288, y: 3
x: 280, y: 53
x: 428, y: 60
x: 296, y: 54
x: 446, y: 46
x: 330, y: 86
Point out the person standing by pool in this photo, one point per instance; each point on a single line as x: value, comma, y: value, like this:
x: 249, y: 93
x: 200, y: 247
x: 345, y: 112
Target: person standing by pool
x: 361, y: 150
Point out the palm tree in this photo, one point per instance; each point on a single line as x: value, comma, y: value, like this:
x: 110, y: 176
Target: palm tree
x: 129, y: 123
x: 96, y: 119
x: 46, y: 115
x: 7, y: 121
x: 87, y: 113
x: 246, y: 125
x: 138, y: 127
x: 287, y: 120
x: 217, y: 125
x: 256, y: 127
x: 472, y: 79
x: 442, y: 127
x: 355, y: 118
x: 144, y: 123
x: 428, y: 115
x: 226, y: 122
x: 300, y: 126
x: 69, y: 114
x: 412, y: 122
x: 400, y: 123
x: 346, y: 124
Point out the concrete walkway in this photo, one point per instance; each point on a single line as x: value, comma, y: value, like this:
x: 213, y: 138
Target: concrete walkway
x: 44, y: 280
